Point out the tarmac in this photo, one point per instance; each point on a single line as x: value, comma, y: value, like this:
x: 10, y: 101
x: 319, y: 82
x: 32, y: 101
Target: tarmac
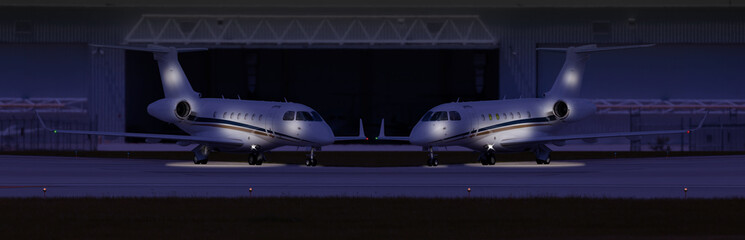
x: 703, y: 177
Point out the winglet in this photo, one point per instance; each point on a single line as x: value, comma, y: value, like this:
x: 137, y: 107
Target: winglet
x: 701, y: 124
x: 382, y: 136
x: 361, y: 135
x: 42, y: 122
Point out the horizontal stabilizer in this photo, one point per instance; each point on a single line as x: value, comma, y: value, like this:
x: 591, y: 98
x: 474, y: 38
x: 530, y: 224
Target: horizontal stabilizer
x: 382, y: 136
x: 151, y: 48
x: 594, y: 48
x: 361, y: 136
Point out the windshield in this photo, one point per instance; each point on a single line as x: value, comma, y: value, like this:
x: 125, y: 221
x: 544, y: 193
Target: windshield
x: 426, y: 116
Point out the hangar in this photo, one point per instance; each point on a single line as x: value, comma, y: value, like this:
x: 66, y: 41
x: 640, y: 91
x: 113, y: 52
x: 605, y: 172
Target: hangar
x: 381, y: 59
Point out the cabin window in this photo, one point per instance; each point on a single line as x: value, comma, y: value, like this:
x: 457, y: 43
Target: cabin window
x: 489, y: 116
x: 253, y: 116
x: 225, y: 115
x: 426, y: 116
x: 239, y: 116
x: 512, y: 116
x: 528, y: 114
x: 231, y: 115
x: 518, y: 115
x: 304, y: 116
x: 496, y: 115
x: 214, y: 114
x: 289, y: 116
x: 483, y: 118
x: 245, y: 116
x: 260, y: 115
x: 504, y: 115
x: 455, y: 116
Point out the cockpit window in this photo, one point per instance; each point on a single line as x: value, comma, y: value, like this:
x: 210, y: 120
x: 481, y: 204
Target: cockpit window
x: 316, y: 116
x: 439, y: 116
x: 289, y: 116
x: 443, y: 116
x: 455, y: 116
x: 304, y: 116
x: 426, y: 116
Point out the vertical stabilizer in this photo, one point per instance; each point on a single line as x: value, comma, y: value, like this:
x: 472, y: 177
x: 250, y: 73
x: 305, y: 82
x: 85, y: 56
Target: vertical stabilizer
x: 175, y: 83
x: 569, y: 81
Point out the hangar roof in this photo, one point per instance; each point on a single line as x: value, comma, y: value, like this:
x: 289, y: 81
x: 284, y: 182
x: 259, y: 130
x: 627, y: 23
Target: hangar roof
x: 377, y: 3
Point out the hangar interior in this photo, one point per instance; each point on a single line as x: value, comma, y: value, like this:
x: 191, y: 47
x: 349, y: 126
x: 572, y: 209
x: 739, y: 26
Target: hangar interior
x: 353, y: 60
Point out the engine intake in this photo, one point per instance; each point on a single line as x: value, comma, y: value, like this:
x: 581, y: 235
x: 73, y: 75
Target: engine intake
x: 183, y: 109
x: 570, y: 110
x: 561, y: 110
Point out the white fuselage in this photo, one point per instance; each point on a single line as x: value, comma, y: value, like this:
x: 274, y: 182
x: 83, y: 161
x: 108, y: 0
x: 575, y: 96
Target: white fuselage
x: 260, y: 125
x: 484, y: 124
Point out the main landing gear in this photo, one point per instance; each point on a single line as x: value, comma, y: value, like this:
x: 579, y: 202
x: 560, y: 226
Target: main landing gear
x: 311, y: 160
x: 256, y: 158
x: 432, y: 158
x: 201, y: 153
x: 542, y: 154
x: 488, y: 158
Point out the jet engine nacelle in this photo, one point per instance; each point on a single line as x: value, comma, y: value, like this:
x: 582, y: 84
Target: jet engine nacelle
x: 170, y: 110
x: 571, y: 110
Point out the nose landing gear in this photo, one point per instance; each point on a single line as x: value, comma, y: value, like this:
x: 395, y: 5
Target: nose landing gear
x: 311, y: 160
x: 432, y: 161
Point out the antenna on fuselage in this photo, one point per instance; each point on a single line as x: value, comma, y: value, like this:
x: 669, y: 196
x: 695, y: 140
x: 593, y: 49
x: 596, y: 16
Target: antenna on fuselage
x: 457, y: 100
x: 285, y: 99
x: 239, y: 97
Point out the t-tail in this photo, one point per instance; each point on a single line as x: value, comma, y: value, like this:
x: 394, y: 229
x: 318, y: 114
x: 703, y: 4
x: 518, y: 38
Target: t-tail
x: 175, y: 83
x: 569, y: 81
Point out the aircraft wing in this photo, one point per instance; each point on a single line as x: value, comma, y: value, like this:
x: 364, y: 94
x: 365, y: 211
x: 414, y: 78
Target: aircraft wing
x: 547, y: 139
x: 226, y: 142
x: 382, y: 136
x: 361, y: 136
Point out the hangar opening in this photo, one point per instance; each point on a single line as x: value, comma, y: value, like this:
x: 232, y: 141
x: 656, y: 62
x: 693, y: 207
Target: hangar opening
x: 342, y: 84
x: 369, y: 67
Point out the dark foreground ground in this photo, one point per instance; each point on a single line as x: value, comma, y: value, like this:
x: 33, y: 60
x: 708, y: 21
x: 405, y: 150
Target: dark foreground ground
x: 367, y: 218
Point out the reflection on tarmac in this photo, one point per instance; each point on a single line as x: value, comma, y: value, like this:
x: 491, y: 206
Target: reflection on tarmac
x: 704, y: 177
x: 215, y: 164
x: 555, y: 164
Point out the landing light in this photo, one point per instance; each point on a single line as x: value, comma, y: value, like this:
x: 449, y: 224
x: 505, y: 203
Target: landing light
x: 253, y: 147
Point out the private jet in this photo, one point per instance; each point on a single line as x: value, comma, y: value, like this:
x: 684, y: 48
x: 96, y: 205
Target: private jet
x: 517, y: 125
x: 226, y: 125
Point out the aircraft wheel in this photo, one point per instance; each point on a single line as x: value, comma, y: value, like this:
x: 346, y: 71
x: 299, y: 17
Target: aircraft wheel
x: 251, y: 159
x: 429, y: 162
x: 492, y: 160
x: 308, y: 162
x: 315, y: 162
x: 196, y: 160
x: 435, y: 162
x: 547, y: 161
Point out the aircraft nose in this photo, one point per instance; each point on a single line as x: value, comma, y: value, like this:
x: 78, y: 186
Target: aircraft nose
x: 326, y: 137
x: 417, y: 136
